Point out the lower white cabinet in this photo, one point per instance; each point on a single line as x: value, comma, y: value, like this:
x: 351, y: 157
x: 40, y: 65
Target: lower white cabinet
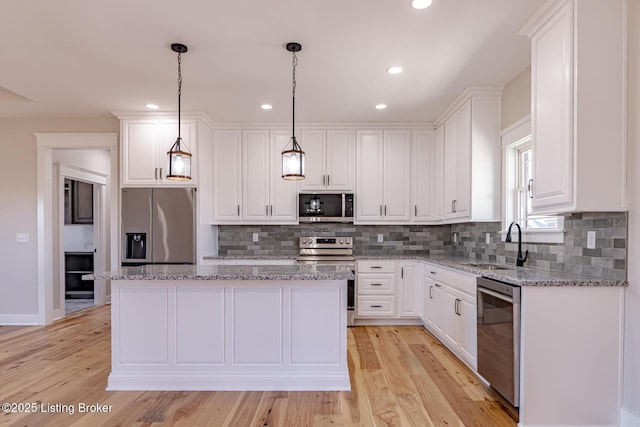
x: 449, y: 310
x: 375, y: 289
x: 407, y: 278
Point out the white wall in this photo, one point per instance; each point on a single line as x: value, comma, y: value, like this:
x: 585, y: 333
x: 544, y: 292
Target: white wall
x: 631, y: 390
x: 18, y: 198
x: 516, y: 99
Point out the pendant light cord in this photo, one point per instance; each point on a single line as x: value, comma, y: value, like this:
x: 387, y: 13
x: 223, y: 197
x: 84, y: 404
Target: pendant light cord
x: 179, y: 90
x: 293, y: 95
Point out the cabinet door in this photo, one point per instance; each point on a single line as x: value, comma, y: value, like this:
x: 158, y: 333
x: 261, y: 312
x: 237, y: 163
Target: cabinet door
x: 408, y: 290
x: 140, y: 140
x: 423, y: 173
x: 227, y: 175
x: 370, y: 175
x: 82, y: 202
x: 439, y: 175
x: 283, y: 194
x: 313, y: 145
x: 552, y: 111
x: 397, y: 175
x: 451, y: 320
x: 255, y: 174
x: 467, y: 337
x: 340, y: 160
x: 457, y: 156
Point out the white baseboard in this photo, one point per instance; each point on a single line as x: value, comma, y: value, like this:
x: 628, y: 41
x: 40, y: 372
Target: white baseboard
x: 19, y: 319
x: 627, y: 419
x: 203, y: 381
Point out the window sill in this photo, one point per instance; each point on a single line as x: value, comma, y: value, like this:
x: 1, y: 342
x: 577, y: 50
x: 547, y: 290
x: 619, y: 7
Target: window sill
x: 536, y: 236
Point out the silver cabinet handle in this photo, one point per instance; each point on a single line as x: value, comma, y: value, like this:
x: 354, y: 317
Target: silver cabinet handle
x: 266, y: 210
x: 238, y: 210
x: 376, y: 284
x: 375, y: 306
x: 438, y: 285
x: 433, y: 272
x: 380, y: 210
x: 402, y: 272
x: 415, y: 211
x: 375, y: 266
x: 385, y: 210
x: 328, y: 179
x: 323, y: 179
x: 271, y: 210
x: 430, y: 294
x: 161, y: 173
x: 530, y: 188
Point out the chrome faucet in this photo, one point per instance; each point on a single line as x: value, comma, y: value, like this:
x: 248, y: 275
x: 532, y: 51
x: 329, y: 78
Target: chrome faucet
x: 519, y: 260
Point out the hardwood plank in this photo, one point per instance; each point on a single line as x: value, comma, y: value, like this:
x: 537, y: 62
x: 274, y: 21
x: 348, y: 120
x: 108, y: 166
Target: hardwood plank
x: 399, y: 376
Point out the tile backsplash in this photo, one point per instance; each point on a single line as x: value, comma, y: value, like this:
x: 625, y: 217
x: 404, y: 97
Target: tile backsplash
x: 608, y: 260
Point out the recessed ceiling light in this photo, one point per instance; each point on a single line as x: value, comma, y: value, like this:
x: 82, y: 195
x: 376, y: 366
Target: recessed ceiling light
x: 380, y: 106
x: 152, y: 106
x: 266, y: 106
x: 420, y: 4
x: 394, y: 70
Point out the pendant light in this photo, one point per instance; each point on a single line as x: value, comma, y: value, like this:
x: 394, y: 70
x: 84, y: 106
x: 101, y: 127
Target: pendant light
x: 293, y: 156
x: 179, y: 157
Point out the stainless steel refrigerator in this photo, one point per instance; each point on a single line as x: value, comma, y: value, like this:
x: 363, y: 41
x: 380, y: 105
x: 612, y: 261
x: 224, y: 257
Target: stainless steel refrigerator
x: 158, y: 226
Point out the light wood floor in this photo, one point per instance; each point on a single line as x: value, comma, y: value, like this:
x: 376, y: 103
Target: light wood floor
x: 400, y: 376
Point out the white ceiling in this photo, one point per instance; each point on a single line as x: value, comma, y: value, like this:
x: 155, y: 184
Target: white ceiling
x: 79, y: 58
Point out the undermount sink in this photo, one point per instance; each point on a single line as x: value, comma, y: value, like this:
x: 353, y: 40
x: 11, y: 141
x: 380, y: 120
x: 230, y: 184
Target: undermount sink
x: 486, y: 266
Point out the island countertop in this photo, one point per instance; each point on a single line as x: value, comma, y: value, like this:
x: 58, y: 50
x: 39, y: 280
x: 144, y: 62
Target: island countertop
x: 227, y: 272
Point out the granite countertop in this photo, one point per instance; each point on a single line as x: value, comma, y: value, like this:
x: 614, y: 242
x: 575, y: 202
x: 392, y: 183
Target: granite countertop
x: 256, y: 257
x: 521, y: 276
x: 227, y: 272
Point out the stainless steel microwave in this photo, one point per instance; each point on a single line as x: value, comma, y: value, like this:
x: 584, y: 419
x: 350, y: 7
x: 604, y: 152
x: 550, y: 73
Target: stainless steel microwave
x: 325, y: 207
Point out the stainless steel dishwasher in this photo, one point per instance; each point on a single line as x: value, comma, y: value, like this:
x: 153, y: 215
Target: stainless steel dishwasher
x: 499, y: 337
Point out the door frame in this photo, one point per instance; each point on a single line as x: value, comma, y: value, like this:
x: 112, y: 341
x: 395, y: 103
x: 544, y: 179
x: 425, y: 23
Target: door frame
x: 48, y: 233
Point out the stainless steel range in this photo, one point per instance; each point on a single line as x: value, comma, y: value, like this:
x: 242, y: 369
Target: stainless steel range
x: 332, y: 250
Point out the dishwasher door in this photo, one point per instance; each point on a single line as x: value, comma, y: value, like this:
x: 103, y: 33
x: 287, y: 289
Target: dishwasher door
x: 499, y: 337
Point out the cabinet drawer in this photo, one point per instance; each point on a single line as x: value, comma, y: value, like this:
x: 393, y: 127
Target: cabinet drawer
x: 376, y: 284
x: 379, y: 306
x: 371, y: 266
x: 436, y: 273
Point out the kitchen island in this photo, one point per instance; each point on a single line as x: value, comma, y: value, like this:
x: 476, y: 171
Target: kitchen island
x: 228, y: 327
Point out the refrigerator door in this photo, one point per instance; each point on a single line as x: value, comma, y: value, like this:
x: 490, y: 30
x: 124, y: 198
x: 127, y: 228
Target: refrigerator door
x: 173, y: 226
x: 136, y: 225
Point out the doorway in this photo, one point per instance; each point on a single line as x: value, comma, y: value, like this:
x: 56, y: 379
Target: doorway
x: 51, y: 174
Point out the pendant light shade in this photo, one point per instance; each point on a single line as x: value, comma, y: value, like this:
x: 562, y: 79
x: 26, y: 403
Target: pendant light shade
x: 179, y: 156
x: 292, y: 155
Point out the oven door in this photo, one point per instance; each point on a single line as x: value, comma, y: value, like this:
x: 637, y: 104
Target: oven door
x: 499, y: 342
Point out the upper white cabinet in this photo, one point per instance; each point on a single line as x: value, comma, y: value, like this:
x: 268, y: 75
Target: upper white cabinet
x: 266, y: 197
x: 423, y: 177
x: 227, y: 175
x: 578, y: 80
x: 329, y: 160
x: 383, y: 176
x: 472, y: 156
x: 145, y: 141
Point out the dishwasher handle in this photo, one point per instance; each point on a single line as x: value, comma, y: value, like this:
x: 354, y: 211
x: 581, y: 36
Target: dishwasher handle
x: 495, y: 294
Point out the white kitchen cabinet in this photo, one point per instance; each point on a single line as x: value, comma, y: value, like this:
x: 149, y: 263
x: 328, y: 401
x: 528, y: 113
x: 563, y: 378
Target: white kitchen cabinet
x: 266, y: 197
x: 407, y: 277
x: 433, y: 310
x: 423, y: 177
x: 145, y: 141
x: 227, y: 176
x: 578, y: 67
x: 375, y: 289
x: 383, y: 176
x: 438, y: 179
x: 329, y: 160
x: 472, y: 157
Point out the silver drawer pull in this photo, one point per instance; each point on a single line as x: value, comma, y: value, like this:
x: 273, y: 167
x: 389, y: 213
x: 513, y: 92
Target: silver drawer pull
x: 433, y: 272
x: 438, y: 285
x: 376, y: 266
x: 376, y: 306
x: 376, y: 284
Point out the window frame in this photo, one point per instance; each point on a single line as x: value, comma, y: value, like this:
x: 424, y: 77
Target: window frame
x: 513, y: 140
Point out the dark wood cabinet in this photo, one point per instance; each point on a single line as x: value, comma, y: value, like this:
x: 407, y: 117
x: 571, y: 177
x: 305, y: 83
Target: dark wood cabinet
x: 76, y: 264
x: 78, y: 202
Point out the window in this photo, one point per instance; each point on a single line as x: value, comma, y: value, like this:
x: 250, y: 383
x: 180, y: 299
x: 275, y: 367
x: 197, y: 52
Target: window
x: 518, y: 168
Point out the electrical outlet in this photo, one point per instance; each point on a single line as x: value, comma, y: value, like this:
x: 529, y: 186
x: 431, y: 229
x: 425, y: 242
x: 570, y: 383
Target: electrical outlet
x: 380, y: 238
x: 255, y: 237
x: 591, y: 239
x: 22, y: 237
x: 455, y: 237
x: 487, y: 238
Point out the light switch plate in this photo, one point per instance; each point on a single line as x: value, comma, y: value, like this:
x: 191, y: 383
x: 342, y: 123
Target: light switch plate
x: 487, y: 238
x: 591, y: 239
x: 22, y: 237
x: 255, y: 237
x: 455, y: 237
x: 380, y: 238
